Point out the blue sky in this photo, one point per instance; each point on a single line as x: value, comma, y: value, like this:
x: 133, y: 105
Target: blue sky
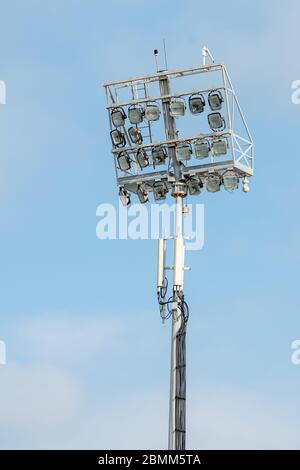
x: 88, y: 359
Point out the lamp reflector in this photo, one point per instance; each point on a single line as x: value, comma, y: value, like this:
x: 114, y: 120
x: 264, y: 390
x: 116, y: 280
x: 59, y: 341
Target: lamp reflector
x: 152, y: 112
x: 142, y: 194
x: 196, y: 104
x: 213, y: 183
x: 216, y: 121
x: 194, y: 187
x: 177, y: 107
x: 201, y: 149
x: 159, y: 191
x: 118, y: 117
x: 183, y: 152
x: 135, y: 114
x: 124, y: 197
x: 215, y: 100
x: 158, y: 155
x: 230, y: 181
x: 117, y: 138
x: 123, y: 161
x: 142, y: 158
x: 219, y: 148
x: 135, y: 135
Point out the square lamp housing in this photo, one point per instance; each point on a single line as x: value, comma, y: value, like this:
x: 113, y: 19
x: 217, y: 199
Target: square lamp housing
x: 194, y: 187
x: 177, y: 108
x: 213, y: 183
x: 152, y: 112
x: 123, y: 161
x: 118, y: 117
x: 158, y: 156
x: 117, y: 138
x: 201, y: 150
x: 216, y: 121
x: 183, y: 152
x: 142, y: 158
x: 159, y: 191
x: 135, y: 115
x: 135, y: 135
x: 196, y: 104
x: 219, y: 148
x: 215, y: 100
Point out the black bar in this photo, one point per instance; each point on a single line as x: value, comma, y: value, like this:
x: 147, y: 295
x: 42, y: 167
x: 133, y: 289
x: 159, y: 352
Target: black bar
x: 133, y: 459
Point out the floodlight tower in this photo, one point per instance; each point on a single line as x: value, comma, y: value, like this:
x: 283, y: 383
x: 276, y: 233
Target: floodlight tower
x: 219, y: 153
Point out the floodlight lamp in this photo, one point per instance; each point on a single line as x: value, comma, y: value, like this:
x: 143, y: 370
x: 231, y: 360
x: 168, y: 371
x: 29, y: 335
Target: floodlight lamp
x: 230, y: 181
x: 117, y: 138
x: 219, y: 148
x: 152, y: 112
x: 183, y: 152
x: 159, y: 191
x: 194, y: 186
x: 215, y: 100
x: 118, y: 117
x: 177, y: 107
x: 142, y: 194
x: 213, y: 183
x: 216, y: 121
x: 135, y: 135
x: 123, y: 161
x: 142, y: 158
x: 246, y: 187
x: 124, y: 197
x: 201, y: 149
x: 135, y: 114
x: 159, y: 155
x: 196, y: 104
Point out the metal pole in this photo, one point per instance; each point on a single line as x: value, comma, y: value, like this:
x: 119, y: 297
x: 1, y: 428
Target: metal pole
x: 177, y: 410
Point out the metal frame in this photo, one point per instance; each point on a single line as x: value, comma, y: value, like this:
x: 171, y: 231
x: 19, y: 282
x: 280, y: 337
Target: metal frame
x: 240, y: 155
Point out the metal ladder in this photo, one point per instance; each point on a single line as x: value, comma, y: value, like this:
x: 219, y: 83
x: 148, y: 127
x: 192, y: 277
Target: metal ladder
x: 140, y: 91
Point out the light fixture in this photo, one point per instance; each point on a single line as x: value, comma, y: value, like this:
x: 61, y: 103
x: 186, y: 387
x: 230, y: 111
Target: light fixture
x: 135, y: 114
x: 201, y: 149
x: 118, y: 117
x: 219, y: 148
x: 196, y: 104
x: 177, y: 107
x: 215, y: 100
x: 123, y: 161
x: 135, y: 135
x: 117, y: 138
x: 213, y: 183
x: 142, y: 158
x: 230, y: 181
x: 194, y: 186
x: 159, y: 191
x: 216, y: 121
x: 159, y: 155
x: 152, y: 112
x: 142, y: 194
x: 124, y: 197
x: 183, y: 152
x: 246, y: 187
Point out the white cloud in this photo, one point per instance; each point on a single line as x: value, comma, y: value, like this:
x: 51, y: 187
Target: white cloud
x: 43, y: 408
x: 66, y: 337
